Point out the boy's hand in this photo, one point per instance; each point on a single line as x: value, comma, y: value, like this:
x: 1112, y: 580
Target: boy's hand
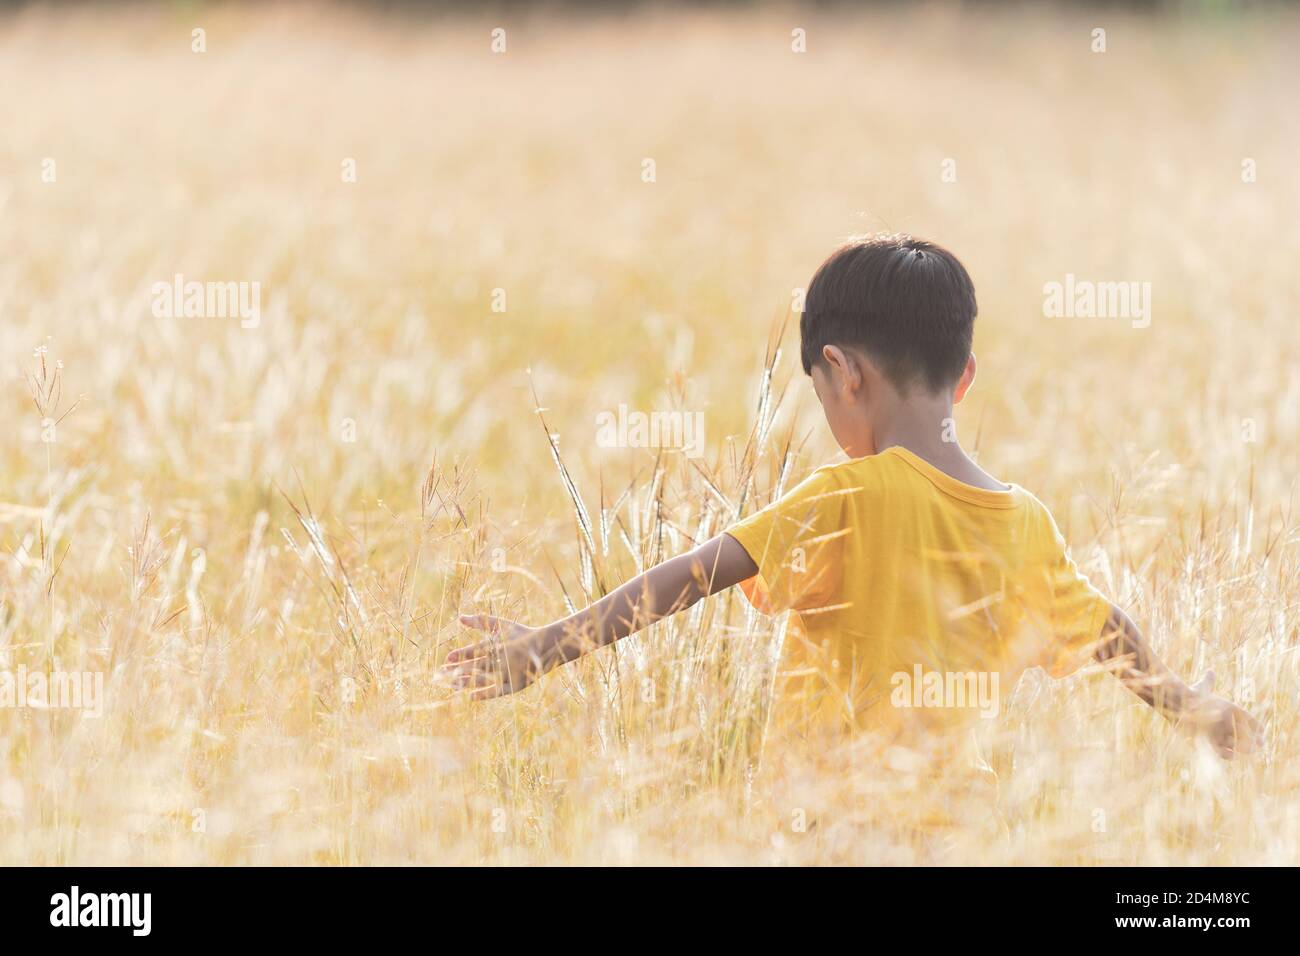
x: 508, y: 660
x: 513, y: 656
x: 1192, y: 709
x: 1228, y: 728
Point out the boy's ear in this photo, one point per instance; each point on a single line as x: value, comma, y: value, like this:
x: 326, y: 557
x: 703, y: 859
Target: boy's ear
x: 843, y: 367
x: 967, y: 378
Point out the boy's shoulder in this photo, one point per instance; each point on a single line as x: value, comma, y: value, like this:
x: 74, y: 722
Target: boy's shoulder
x: 855, y: 471
x: 869, y: 482
x: 853, y: 476
x: 894, y: 473
x: 885, y: 470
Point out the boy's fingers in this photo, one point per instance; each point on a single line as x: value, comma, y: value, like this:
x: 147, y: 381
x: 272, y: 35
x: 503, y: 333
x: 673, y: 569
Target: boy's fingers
x: 464, y: 676
x: 481, y: 622
x: 477, y: 668
x: 484, y: 664
x: 454, y: 672
x: 471, y: 679
x: 478, y: 683
x: 458, y: 676
x: 466, y: 653
x: 1240, y: 733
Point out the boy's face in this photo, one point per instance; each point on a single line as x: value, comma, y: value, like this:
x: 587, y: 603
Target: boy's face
x: 861, y: 404
x: 845, y: 416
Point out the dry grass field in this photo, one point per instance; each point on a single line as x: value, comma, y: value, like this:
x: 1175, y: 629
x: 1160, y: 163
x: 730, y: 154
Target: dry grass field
x: 260, y: 536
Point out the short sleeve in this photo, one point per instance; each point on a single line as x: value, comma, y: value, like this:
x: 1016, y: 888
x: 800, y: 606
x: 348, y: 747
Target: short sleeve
x: 1078, y: 611
x: 796, y: 542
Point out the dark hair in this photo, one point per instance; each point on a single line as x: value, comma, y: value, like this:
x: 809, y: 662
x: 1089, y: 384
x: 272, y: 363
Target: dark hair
x: 907, y: 303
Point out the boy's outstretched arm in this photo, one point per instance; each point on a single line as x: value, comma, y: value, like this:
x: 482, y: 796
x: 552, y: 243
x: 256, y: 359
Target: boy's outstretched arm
x: 514, y: 655
x: 1189, y: 707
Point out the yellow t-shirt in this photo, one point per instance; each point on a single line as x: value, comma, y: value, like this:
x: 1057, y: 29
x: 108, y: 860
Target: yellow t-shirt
x: 920, y: 599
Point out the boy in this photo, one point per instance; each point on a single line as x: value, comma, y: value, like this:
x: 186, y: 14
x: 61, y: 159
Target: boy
x: 922, y: 582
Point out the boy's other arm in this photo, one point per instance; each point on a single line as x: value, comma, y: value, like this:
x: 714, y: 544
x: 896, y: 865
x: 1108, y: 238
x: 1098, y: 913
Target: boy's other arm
x: 1190, y: 707
x: 514, y: 655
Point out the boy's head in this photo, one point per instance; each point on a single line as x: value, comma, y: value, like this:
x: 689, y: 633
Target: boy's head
x: 906, y: 304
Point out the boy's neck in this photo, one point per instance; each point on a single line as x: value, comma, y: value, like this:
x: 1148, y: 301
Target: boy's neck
x: 924, y: 425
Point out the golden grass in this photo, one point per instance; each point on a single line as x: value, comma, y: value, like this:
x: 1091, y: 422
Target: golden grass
x: 268, y: 668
